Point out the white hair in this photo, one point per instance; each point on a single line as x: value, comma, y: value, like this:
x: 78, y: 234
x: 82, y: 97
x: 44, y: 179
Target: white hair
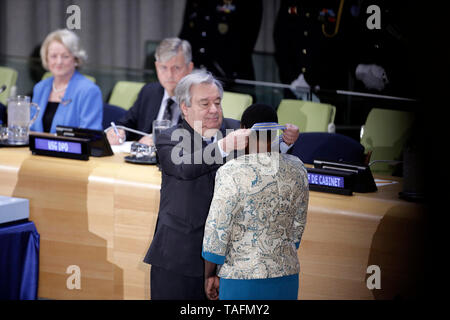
x: 183, y: 88
x: 67, y: 38
x: 170, y: 47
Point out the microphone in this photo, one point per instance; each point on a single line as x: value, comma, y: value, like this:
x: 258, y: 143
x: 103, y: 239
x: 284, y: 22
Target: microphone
x: 3, y: 88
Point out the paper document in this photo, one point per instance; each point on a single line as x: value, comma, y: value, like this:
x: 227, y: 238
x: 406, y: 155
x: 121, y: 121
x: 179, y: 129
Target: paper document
x: 124, y: 147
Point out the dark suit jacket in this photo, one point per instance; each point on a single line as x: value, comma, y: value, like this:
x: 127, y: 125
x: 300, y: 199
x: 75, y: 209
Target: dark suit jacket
x: 2, y: 114
x: 186, y: 194
x: 141, y: 115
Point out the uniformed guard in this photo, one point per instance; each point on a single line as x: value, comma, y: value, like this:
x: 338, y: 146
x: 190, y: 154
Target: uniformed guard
x: 332, y: 45
x: 313, y: 38
x: 384, y: 54
x: 223, y: 34
x: 328, y: 45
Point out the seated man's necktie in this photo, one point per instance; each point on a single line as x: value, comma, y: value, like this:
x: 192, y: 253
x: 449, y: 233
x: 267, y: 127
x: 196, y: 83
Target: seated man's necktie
x: 168, y: 112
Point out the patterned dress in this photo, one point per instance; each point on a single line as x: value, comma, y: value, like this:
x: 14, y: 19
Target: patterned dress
x: 255, y: 224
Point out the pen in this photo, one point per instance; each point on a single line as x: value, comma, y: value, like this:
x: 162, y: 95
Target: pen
x: 116, y: 131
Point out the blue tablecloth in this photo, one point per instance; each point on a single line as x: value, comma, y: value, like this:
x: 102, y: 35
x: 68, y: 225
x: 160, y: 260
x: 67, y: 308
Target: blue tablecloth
x: 19, y: 261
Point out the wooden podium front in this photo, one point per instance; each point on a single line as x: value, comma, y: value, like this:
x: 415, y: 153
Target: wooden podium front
x: 100, y: 215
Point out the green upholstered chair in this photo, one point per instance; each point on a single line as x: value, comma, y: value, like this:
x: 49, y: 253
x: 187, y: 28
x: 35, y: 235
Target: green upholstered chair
x: 306, y: 115
x: 8, y: 77
x: 384, y: 134
x: 48, y: 74
x: 125, y: 93
x: 234, y: 104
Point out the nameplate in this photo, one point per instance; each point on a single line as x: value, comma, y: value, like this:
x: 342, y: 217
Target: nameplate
x: 361, y: 182
x: 331, y: 181
x: 59, y: 146
x: 98, y: 143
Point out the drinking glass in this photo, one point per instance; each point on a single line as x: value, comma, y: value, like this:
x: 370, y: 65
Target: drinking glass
x: 3, y: 134
x: 158, y: 126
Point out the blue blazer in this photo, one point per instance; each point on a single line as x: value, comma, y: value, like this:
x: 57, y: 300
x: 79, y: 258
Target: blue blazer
x: 83, y: 107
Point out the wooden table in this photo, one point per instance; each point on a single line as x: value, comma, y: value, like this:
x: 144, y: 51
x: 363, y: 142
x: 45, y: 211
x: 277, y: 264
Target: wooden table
x: 100, y: 215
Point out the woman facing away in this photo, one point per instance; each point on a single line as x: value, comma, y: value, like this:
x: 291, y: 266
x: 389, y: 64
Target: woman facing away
x: 256, y: 219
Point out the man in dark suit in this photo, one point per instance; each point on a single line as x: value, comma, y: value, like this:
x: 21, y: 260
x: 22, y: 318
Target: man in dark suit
x: 223, y: 35
x: 190, y: 155
x: 155, y: 100
x: 321, y: 48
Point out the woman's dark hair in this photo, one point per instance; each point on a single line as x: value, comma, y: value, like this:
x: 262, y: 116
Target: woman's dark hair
x: 258, y: 112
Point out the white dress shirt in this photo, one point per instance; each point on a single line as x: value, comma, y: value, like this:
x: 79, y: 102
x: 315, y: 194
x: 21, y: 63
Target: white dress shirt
x: 176, y: 112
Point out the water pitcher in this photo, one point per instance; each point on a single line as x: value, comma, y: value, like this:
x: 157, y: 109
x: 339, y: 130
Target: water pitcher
x: 19, y: 119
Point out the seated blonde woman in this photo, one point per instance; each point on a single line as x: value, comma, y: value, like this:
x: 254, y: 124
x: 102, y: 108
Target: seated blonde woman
x: 66, y: 98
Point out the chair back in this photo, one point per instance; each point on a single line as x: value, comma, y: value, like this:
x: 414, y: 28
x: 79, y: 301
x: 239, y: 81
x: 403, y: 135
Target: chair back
x: 385, y: 133
x: 8, y: 77
x: 234, y: 104
x: 306, y: 115
x: 111, y: 113
x: 327, y: 146
x: 48, y: 74
x: 125, y: 93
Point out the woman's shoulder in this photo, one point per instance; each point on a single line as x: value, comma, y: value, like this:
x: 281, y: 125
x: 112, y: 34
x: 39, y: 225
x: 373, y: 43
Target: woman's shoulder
x: 44, y: 83
x: 81, y: 82
x: 292, y: 164
x: 81, y: 78
x: 292, y: 160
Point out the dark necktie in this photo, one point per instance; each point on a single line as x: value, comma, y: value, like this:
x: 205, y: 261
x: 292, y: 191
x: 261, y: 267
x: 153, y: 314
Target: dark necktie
x: 209, y: 140
x: 168, y: 112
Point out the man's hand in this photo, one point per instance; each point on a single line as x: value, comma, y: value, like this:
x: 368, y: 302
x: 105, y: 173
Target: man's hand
x: 113, y: 138
x: 146, y: 140
x: 212, y: 287
x: 290, y: 135
x: 236, y: 140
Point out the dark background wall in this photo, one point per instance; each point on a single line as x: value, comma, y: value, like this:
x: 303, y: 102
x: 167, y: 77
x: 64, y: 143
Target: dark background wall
x: 113, y: 32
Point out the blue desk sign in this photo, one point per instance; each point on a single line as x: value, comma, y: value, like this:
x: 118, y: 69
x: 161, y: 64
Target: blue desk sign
x: 361, y: 182
x: 331, y: 181
x: 98, y: 143
x: 45, y: 144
